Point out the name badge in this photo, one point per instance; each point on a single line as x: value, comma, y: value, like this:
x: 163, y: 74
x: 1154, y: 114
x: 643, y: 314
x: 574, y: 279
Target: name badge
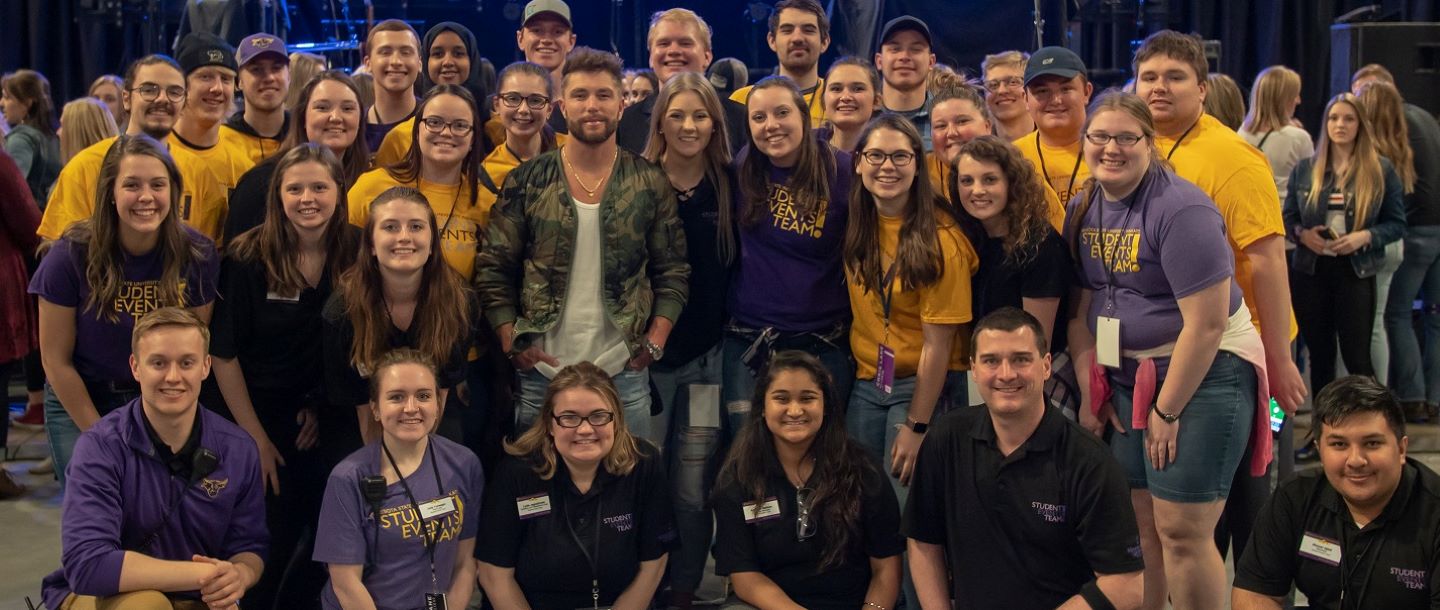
x: 1107, y: 341
x: 885, y: 370
x: 763, y: 512
x: 533, y: 506
x: 435, y: 601
x: 1320, y: 548
x: 275, y: 296
x: 437, y: 507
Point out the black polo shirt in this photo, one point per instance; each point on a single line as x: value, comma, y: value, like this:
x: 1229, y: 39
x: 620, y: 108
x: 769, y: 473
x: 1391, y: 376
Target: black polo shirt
x: 1026, y: 530
x: 181, y: 464
x: 769, y: 543
x: 627, y: 518
x: 1392, y: 562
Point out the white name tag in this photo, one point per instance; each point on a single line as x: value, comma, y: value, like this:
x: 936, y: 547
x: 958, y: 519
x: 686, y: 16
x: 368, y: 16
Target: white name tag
x: 753, y: 513
x: 275, y: 296
x: 437, y: 507
x: 533, y: 506
x: 1321, y: 549
x: 1107, y: 341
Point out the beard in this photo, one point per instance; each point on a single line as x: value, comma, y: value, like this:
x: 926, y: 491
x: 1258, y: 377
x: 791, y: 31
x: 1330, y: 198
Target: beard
x: 577, y: 130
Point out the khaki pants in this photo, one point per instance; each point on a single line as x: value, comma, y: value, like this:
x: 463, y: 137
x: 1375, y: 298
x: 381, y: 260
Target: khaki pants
x: 135, y: 600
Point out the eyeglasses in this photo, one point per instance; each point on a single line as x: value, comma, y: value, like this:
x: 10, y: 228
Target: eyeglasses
x: 535, y: 102
x: 435, y: 124
x: 900, y: 158
x: 994, y: 85
x: 596, y: 419
x: 150, y: 91
x: 1125, y: 140
x: 805, y: 527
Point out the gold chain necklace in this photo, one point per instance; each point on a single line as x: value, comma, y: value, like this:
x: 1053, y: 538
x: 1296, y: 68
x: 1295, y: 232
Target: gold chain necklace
x: 589, y: 191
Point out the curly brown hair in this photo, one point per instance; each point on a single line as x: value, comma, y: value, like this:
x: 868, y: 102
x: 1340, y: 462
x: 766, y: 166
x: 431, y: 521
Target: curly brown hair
x: 1026, y: 213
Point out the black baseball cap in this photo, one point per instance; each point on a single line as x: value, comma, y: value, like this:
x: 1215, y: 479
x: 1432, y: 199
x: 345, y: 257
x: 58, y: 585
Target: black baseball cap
x: 1054, y: 61
x: 904, y: 22
x: 200, y: 49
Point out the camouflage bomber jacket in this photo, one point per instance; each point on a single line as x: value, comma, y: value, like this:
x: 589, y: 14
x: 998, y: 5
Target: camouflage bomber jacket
x: 522, y: 269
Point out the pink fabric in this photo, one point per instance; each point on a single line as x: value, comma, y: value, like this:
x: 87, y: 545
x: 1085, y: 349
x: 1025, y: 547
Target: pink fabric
x: 1144, y: 394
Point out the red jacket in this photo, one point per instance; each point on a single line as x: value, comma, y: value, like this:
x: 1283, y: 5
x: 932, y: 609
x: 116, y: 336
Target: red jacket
x: 19, y: 217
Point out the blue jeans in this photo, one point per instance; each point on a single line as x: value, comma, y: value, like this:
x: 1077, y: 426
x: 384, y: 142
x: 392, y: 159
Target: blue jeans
x: 633, y: 387
x: 738, y: 384
x: 1418, y: 278
x: 63, y: 432
x: 1379, y: 339
x: 691, y: 398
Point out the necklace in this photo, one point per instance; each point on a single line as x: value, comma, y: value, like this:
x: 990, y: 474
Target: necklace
x: 589, y: 191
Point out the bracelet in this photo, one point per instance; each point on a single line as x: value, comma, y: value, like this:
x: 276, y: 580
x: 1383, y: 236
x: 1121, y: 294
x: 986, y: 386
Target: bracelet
x: 1166, y: 417
x: 875, y: 605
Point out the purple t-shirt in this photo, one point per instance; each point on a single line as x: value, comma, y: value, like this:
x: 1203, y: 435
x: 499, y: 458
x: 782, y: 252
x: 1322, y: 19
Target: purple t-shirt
x: 790, y: 275
x: 398, y: 571
x: 1166, y: 245
x: 102, y: 347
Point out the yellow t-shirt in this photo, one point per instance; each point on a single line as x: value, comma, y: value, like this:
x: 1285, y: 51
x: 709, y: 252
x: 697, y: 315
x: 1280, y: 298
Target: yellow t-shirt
x: 256, y: 148
x: 939, y: 176
x: 1060, y: 166
x: 947, y: 301
x: 1238, y: 178
x: 495, y: 130
x: 460, y: 223
x: 202, y: 205
x: 814, y: 100
x: 395, y: 145
x: 498, y: 165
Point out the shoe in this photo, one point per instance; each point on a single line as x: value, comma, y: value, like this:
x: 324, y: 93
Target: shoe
x: 33, y: 417
x: 45, y: 467
x: 9, y: 488
x: 1416, y: 412
x: 1308, y: 453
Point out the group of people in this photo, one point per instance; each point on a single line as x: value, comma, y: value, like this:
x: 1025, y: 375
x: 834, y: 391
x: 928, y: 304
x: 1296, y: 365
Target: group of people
x: 879, y: 337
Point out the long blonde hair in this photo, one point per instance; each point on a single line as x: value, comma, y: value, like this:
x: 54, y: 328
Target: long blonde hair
x: 1386, y: 110
x: 538, y: 447
x: 717, y: 152
x: 84, y: 122
x: 1272, y: 100
x: 1364, y: 176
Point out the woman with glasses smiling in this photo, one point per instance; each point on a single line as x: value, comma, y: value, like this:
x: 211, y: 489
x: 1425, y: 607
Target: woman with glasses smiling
x: 522, y: 107
x: 579, y: 515
x: 794, y: 530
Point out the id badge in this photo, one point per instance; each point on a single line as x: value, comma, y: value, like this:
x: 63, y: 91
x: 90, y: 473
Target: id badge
x: 1107, y: 341
x: 435, y: 601
x: 885, y: 370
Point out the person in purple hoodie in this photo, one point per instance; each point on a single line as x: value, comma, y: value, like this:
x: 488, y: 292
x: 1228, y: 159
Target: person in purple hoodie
x: 165, y: 506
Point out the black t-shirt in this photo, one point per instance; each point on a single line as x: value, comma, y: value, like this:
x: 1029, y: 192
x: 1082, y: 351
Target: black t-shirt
x: 1047, y: 274
x: 769, y: 545
x: 1026, y: 530
x: 1422, y: 207
x: 537, y: 527
x: 247, y: 201
x: 344, y: 386
x: 1393, y: 562
x: 703, y: 318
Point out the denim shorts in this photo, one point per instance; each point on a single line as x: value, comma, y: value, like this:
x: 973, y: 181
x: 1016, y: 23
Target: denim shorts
x: 1214, y: 430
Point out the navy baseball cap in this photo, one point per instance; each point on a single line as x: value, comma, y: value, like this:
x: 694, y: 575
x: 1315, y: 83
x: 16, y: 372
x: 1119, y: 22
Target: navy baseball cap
x: 1054, y: 61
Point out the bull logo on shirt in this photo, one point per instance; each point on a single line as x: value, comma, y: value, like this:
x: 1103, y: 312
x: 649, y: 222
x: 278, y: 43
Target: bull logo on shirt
x: 213, y: 487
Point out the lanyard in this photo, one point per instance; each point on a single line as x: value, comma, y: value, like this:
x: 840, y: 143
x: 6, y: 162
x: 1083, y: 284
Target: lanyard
x: 1347, y: 574
x: 889, y: 295
x: 590, y: 557
x: 1074, y: 171
x: 1182, y: 139
x: 426, y: 536
x: 1109, y: 262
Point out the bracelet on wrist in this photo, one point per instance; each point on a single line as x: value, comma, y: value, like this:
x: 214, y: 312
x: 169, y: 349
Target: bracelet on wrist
x: 875, y: 605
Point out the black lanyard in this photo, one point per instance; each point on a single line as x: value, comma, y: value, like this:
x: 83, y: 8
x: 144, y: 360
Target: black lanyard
x: 1182, y: 138
x: 1347, y: 572
x: 1108, y: 262
x: 889, y: 291
x: 590, y: 557
x: 1074, y: 171
x: 426, y: 537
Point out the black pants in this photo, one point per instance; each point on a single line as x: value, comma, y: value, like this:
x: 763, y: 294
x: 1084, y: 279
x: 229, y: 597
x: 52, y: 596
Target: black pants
x: 1332, y: 304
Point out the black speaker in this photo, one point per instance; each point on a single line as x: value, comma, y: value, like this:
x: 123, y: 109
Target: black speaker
x: 1411, y: 51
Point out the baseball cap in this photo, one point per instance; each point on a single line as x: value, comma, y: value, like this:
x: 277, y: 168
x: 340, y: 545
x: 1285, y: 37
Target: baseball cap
x: 200, y: 49
x: 256, y: 45
x: 554, y: 7
x: 904, y: 22
x: 1056, y: 61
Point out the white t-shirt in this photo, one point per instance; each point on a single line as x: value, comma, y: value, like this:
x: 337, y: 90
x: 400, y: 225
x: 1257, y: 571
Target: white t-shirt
x: 1284, y: 148
x: 585, y: 332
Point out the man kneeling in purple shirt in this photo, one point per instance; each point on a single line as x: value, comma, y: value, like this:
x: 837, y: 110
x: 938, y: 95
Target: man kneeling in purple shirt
x: 164, y: 506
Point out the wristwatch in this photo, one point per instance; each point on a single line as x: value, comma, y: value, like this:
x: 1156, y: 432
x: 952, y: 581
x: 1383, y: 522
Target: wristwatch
x: 917, y: 427
x: 656, y: 352
x: 1167, y: 417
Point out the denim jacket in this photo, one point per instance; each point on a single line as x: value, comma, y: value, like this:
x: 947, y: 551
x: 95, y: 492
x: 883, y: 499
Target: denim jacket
x: 1386, y: 222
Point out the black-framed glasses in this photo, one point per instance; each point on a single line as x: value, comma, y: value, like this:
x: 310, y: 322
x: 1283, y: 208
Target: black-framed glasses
x: 805, y: 527
x: 534, y: 101
x: 595, y: 418
x: 900, y: 158
x: 1125, y: 140
x: 150, y: 91
x: 459, y: 127
x: 1010, y: 82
